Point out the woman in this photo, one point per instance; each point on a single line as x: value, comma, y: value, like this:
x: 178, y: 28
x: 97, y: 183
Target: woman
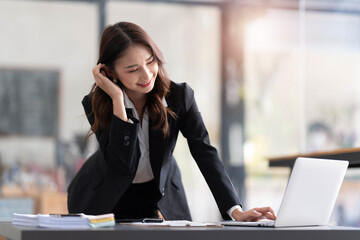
x: 136, y: 113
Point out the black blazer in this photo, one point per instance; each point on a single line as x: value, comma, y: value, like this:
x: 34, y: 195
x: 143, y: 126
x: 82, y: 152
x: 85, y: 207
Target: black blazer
x: 107, y: 174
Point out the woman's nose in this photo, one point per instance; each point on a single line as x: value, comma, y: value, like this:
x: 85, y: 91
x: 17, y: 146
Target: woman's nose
x: 147, y: 74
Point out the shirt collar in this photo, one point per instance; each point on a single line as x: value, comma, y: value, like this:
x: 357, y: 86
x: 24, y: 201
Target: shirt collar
x: 129, y: 104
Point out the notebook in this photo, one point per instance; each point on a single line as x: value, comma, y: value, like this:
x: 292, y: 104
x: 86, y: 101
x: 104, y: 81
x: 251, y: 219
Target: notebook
x: 310, y: 194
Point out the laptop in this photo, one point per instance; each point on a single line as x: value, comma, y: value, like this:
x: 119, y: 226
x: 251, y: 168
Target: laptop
x: 310, y: 195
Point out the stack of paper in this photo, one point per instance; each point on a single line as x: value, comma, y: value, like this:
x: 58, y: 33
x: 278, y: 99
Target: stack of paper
x: 78, y: 221
x: 30, y: 220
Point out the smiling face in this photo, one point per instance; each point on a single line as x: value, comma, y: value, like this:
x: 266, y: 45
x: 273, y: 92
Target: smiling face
x: 137, y: 70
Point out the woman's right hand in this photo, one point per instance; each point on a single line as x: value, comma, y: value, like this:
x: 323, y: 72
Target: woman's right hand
x: 254, y: 215
x: 111, y: 89
x: 103, y: 82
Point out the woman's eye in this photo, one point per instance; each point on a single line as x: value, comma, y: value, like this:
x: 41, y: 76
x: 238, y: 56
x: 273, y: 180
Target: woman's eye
x: 133, y: 70
x: 151, y: 61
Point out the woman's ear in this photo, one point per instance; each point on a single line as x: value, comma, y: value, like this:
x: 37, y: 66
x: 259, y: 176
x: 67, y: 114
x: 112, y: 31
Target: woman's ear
x: 119, y: 83
x: 109, y: 73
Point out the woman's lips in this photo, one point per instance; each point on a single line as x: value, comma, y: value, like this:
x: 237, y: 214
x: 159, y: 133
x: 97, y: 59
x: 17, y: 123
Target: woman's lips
x: 146, y: 84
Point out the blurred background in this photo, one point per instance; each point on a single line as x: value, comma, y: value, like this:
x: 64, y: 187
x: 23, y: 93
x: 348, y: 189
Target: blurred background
x: 272, y: 78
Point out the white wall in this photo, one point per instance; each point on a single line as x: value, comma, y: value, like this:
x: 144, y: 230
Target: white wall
x: 50, y: 35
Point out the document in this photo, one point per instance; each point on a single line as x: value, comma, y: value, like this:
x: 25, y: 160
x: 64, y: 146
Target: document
x: 177, y: 223
x: 69, y: 221
x: 29, y: 220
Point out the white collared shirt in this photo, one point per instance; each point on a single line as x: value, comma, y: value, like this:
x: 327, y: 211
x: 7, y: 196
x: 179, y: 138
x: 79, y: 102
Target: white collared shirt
x: 144, y: 171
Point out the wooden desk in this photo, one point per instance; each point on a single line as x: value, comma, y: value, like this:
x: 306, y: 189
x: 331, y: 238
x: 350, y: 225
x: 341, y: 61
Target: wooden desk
x: 350, y: 154
x: 122, y: 232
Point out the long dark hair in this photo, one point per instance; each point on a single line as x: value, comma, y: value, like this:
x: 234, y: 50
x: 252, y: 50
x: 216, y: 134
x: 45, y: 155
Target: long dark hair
x: 115, y: 40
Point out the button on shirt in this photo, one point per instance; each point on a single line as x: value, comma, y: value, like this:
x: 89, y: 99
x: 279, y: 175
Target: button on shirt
x: 144, y: 171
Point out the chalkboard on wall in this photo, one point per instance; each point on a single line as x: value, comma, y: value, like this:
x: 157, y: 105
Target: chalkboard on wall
x: 28, y: 102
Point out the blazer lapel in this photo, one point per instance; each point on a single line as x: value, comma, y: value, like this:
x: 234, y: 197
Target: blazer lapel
x: 156, y: 148
x: 129, y: 112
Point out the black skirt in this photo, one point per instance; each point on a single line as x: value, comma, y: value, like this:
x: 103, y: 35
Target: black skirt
x: 139, y: 201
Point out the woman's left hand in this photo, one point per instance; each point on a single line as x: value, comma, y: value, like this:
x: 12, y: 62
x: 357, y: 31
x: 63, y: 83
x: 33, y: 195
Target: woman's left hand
x: 254, y: 215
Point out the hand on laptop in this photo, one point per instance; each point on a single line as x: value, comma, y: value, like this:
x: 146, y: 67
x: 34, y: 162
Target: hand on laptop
x: 254, y: 215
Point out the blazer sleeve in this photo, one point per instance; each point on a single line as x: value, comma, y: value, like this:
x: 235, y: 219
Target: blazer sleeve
x: 206, y: 156
x: 118, y: 143
x: 106, y: 175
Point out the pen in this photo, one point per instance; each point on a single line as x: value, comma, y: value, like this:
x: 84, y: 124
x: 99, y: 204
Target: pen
x: 143, y: 220
x: 152, y: 220
x: 65, y: 215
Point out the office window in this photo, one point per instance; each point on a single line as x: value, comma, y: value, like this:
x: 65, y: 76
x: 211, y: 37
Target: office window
x: 302, y: 72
